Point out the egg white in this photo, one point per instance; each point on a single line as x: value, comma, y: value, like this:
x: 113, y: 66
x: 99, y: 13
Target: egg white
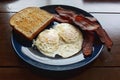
x: 63, y: 39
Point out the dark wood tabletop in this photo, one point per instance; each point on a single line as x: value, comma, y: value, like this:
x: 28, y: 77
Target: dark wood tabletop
x: 105, y: 67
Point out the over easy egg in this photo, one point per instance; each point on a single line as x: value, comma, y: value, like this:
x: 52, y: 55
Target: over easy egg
x: 63, y: 39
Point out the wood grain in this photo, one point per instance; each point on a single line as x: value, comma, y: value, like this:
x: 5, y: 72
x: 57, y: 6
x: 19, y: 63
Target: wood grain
x: 88, y: 74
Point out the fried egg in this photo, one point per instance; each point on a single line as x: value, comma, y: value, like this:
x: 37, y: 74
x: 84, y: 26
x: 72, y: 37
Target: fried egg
x: 68, y: 32
x: 47, y: 41
x: 63, y: 39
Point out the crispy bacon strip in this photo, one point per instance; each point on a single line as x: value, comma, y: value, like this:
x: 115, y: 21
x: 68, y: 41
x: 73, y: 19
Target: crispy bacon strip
x: 79, y: 20
x: 104, y: 38
x: 61, y: 10
x: 85, y: 23
x: 87, y: 46
x: 99, y: 30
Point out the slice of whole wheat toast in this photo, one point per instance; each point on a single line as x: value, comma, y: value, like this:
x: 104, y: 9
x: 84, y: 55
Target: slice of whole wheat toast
x: 30, y: 21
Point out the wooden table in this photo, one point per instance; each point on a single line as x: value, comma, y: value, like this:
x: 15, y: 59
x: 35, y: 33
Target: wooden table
x: 105, y: 67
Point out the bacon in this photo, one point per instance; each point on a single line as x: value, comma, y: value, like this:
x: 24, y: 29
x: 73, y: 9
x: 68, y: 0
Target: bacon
x: 100, y: 32
x: 85, y: 23
x: 61, y: 10
x: 88, y: 41
x: 104, y: 38
x: 79, y: 20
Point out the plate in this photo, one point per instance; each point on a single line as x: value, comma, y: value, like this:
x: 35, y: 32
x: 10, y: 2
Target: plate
x: 30, y: 55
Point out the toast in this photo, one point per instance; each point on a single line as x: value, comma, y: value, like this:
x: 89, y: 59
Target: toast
x: 30, y: 21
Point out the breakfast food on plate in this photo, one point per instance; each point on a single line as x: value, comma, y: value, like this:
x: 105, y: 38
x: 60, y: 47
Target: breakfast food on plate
x: 88, y: 25
x: 63, y: 39
x: 71, y: 39
x: 87, y: 46
x: 67, y: 32
x: 30, y: 21
x: 48, y: 40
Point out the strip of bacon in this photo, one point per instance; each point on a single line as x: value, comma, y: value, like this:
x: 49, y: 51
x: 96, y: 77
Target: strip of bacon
x: 79, y: 20
x: 87, y: 46
x: 104, y: 38
x: 99, y: 30
x: 61, y: 10
x: 85, y: 23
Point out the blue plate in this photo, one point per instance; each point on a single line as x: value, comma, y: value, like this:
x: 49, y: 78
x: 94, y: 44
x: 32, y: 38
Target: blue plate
x: 33, y: 57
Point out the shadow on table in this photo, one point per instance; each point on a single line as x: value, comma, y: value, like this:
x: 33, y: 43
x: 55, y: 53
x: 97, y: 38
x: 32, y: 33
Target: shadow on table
x: 59, y: 75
